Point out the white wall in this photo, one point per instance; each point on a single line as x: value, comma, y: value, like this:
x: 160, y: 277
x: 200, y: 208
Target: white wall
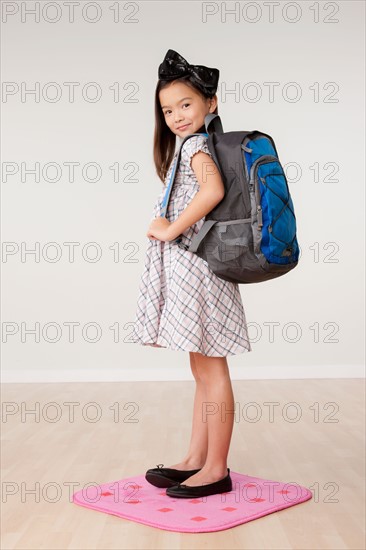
x: 322, y: 134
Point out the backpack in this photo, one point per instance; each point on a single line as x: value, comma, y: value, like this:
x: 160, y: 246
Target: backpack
x: 250, y: 235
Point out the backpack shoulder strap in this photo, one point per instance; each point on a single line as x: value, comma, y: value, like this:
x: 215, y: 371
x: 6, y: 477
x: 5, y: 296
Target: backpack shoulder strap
x: 165, y: 202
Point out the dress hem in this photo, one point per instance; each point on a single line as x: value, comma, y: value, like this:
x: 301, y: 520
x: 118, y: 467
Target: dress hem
x: 197, y: 350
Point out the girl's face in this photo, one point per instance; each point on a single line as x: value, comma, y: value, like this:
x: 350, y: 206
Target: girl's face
x: 184, y: 109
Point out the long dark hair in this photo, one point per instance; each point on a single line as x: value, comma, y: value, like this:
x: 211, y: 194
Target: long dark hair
x: 164, y: 139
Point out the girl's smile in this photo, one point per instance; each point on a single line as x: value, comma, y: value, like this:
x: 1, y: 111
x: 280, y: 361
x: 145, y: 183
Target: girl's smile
x: 183, y: 127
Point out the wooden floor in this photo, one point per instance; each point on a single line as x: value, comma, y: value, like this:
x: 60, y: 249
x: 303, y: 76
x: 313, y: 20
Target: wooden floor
x: 47, y: 446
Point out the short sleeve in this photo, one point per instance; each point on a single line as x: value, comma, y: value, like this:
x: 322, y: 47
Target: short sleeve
x: 192, y: 146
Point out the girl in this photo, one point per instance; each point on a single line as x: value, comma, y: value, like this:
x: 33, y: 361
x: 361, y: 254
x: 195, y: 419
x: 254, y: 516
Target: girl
x: 182, y: 304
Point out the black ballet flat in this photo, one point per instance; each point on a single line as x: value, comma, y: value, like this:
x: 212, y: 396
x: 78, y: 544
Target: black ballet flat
x: 167, y: 477
x: 180, y: 490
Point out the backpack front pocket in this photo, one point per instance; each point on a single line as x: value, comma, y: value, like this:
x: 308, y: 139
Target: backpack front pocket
x: 275, y: 211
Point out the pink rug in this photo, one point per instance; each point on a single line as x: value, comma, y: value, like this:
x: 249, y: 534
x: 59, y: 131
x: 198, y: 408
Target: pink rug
x: 135, y: 499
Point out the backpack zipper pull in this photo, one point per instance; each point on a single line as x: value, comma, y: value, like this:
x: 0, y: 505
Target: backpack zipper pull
x: 259, y: 217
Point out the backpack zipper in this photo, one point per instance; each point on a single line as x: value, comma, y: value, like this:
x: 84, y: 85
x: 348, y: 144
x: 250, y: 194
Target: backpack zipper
x: 253, y: 183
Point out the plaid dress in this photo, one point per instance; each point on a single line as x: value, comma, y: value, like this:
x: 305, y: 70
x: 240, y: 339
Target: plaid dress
x: 182, y: 304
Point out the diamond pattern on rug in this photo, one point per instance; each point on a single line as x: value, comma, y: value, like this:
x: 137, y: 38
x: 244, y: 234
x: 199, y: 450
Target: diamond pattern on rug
x: 135, y: 499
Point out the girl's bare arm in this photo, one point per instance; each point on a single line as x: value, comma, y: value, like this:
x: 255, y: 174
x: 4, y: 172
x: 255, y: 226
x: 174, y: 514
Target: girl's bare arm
x: 211, y: 192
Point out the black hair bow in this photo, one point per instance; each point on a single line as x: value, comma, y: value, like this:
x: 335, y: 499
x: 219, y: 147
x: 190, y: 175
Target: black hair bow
x: 174, y: 66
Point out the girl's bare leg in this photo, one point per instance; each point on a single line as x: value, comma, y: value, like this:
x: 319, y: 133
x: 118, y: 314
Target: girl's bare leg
x: 218, y: 411
x: 196, y: 455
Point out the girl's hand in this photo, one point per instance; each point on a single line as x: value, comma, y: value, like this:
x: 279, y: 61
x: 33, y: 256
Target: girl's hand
x: 159, y: 229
